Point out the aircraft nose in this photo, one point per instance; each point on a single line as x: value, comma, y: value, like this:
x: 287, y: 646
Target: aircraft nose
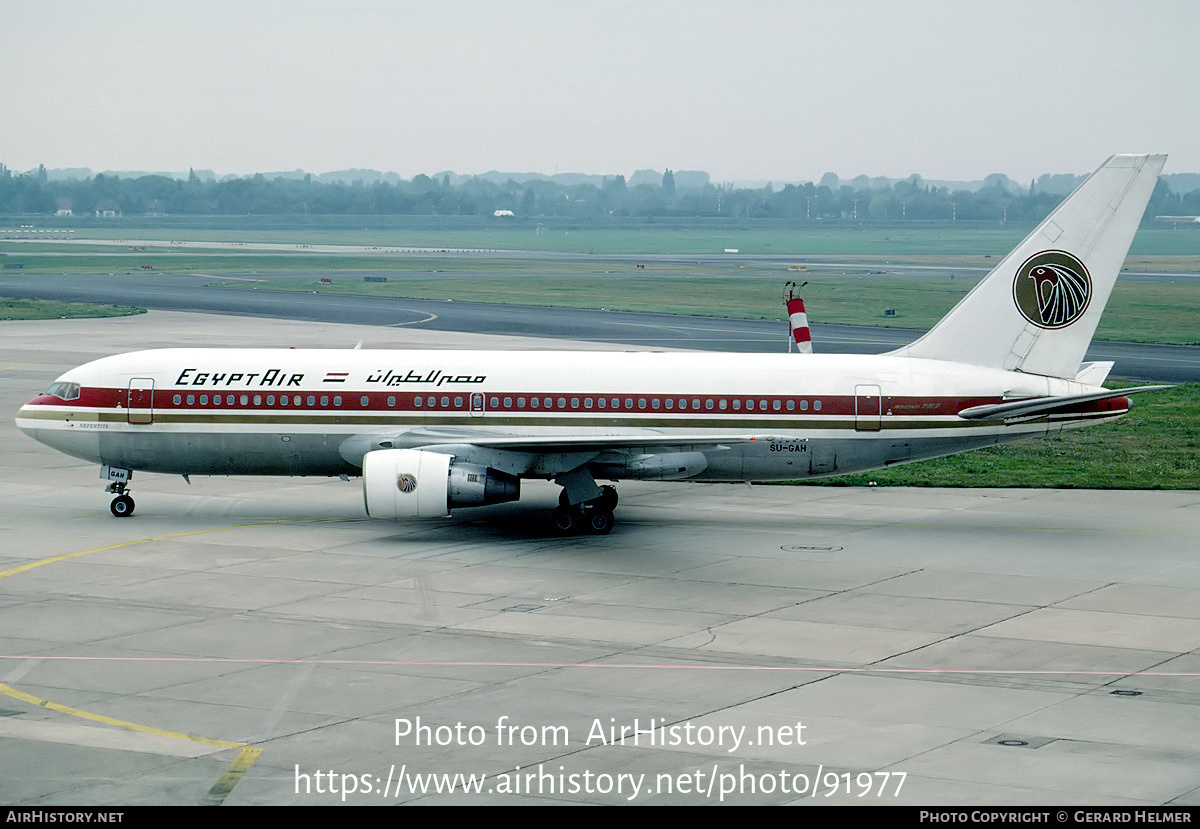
x: 23, y: 418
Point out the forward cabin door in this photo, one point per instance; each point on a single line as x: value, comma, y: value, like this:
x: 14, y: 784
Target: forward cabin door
x: 139, y: 402
x: 868, y: 409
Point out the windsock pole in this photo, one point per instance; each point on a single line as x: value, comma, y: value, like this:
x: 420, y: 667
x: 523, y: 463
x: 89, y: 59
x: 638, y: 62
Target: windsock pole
x: 797, y: 319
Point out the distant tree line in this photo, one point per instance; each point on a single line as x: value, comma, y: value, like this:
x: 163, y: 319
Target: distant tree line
x: 860, y: 199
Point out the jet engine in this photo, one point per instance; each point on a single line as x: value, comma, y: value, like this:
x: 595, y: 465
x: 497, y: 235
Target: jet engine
x: 413, y: 483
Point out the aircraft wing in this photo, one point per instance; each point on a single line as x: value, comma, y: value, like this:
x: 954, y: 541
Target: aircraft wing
x: 1047, y: 405
x: 542, y: 454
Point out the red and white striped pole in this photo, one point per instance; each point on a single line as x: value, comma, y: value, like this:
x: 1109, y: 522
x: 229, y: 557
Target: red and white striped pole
x: 798, y: 320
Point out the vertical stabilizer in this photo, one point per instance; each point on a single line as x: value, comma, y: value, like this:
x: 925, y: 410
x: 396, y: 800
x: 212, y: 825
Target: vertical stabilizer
x: 1037, y: 310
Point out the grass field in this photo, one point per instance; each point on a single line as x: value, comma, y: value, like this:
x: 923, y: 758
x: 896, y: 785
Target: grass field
x: 1160, y: 311
x: 37, y: 309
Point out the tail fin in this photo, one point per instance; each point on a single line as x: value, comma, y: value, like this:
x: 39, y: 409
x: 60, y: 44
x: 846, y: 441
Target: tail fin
x: 1037, y: 310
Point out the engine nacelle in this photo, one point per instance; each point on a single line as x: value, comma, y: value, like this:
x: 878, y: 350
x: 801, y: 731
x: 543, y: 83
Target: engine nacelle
x: 413, y: 483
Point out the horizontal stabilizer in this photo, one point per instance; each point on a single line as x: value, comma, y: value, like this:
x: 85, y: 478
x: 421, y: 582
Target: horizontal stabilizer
x: 1094, y: 374
x: 1046, y: 405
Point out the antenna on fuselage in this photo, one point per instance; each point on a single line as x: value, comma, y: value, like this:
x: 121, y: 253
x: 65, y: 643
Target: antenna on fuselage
x: 797, y: 318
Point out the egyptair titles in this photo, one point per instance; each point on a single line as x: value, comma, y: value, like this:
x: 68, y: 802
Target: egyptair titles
x: 435, y: 377
x: 276, y: 378
x: 273, y: 378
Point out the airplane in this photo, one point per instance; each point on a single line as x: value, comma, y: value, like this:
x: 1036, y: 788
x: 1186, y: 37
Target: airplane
x: 432, y: 431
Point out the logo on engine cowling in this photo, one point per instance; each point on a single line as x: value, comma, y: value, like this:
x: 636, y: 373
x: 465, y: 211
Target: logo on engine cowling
x: 406, y: 482
x: 1052, y: 289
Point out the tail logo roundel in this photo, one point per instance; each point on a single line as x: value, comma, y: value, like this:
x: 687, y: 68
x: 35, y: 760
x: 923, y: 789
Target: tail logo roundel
x: 1052, y: 289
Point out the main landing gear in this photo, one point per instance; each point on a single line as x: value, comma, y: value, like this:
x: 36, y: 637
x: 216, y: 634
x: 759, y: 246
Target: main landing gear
x: 594, y: 516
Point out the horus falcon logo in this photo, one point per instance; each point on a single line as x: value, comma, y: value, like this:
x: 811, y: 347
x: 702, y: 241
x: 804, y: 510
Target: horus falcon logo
x: 406, y: 482
x: 1052, y: 289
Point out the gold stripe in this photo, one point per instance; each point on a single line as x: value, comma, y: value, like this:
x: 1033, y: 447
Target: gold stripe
x: 409, y: 418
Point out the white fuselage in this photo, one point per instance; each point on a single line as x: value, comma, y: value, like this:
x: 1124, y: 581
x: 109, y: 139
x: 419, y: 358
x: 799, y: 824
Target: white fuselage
x: 317, y: 412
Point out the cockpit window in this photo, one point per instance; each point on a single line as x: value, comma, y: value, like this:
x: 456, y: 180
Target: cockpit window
x: 64, y: 391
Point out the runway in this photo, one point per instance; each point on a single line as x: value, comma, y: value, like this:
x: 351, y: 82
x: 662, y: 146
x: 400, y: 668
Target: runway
x: 1135, y: 362
x: 258, y: 641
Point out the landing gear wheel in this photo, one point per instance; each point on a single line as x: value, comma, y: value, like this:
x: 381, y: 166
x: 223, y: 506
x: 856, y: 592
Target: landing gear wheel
x: 599, y: 522
x: 564, y: 520
x: 121, y: 506
x: 608, y: 498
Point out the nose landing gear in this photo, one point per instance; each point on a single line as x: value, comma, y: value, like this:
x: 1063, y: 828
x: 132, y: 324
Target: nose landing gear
x: 122, y: 505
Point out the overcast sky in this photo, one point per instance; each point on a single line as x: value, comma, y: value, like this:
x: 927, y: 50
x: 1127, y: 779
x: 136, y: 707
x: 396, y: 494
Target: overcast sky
x: 779, y: 91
